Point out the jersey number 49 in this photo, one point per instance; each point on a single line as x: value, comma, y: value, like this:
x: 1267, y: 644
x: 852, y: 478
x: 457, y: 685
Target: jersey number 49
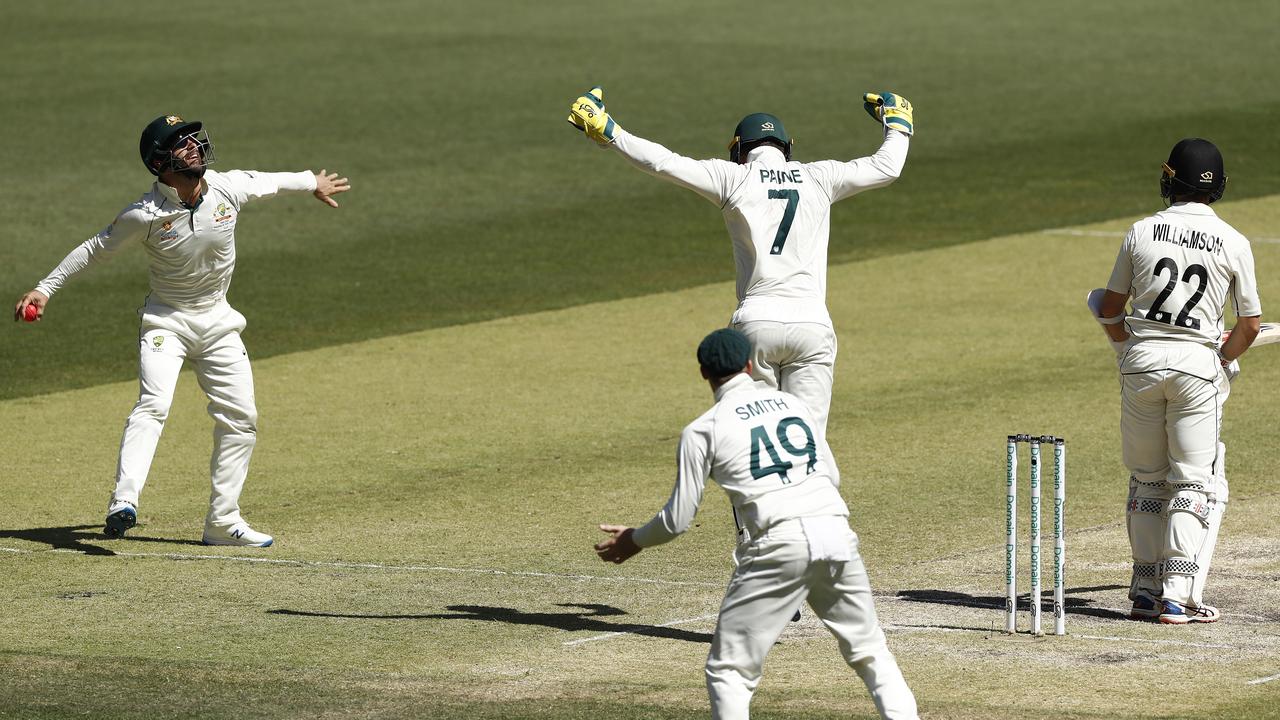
x: 762, y: 442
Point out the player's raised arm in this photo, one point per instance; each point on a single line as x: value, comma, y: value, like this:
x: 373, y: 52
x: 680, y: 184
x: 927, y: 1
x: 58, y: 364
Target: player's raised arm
x: 589, y: 115
x: 895, y: 115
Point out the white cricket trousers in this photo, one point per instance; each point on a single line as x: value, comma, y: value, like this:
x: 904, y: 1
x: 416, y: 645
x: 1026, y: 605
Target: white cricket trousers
x: 1172, y: 395
x: 774, y: 576
x: 798, y: 358
x: 211, y: 341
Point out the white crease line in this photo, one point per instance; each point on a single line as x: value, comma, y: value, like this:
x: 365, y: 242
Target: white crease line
x: 1267, y: 679
x: 673, y: 623
x: 1118, y: 234
x: 891, y: 627
x: 376, y: 566
x: 1181, y: 643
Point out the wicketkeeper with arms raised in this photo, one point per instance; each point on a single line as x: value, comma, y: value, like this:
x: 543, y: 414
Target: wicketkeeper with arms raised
x: 1178, y: 268
x: 186, y: 223
x: 765, y: 449
x: 778, y: 214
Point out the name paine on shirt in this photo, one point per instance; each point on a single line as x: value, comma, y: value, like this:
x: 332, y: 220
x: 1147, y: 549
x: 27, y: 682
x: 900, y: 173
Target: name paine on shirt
x: 1193, y: 239
x: 779, y: 177
x: 760, y: 407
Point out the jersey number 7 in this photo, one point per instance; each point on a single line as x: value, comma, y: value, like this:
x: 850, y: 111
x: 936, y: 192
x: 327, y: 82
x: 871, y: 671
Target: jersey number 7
x: 793, y: 199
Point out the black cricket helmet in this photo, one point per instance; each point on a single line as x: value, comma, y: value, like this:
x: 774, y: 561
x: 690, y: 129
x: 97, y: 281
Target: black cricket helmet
x: 167, y: 132
x: 1194, y: 166
x: 757, y: 129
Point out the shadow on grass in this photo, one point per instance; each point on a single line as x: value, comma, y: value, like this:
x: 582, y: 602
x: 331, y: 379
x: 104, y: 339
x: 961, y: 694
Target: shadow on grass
x: 77, y: 537
x: 570, y: 621
x: 1072, y: 605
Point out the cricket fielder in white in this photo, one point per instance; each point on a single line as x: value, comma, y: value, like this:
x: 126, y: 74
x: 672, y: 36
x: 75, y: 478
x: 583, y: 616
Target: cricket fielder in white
x: 778, y: 213
x: 186, y: 223
x: 766, y: 450
x: 1178, y: 267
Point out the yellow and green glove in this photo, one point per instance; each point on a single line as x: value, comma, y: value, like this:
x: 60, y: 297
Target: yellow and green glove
x: 588, y: 115
x: 893, y: 111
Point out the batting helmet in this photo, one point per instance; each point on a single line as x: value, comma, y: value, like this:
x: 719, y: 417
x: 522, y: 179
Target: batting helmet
x: 1194, y: 167
x: 757, y: 129
x: 161, y: 136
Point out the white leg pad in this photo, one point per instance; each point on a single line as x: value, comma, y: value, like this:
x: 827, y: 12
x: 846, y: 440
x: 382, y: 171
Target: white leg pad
x: 1194, y: 518
x: 1146, y: 515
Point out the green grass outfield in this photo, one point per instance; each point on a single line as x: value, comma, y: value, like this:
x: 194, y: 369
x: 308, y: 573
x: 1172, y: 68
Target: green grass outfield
x: 488, y: 350
x: 474, y: 199
x: 435, y: 496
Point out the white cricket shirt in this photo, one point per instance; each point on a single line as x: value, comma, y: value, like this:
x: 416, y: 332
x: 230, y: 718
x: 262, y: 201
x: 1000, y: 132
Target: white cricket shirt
x: 192, y: 250
x: 778, y: 214
x: 1180, y: 266
x: 763, y: 447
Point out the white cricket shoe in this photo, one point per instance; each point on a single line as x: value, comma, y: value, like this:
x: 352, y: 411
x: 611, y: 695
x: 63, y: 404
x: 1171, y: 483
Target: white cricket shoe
x: 238, y: 534
x: 1175, y: 613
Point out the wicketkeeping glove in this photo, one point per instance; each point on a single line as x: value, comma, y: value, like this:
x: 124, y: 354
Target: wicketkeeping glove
x: 588, y: 115
x: 893, y: 111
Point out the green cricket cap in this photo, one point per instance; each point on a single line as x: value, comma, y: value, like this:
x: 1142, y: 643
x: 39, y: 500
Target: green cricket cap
x: 724, y: 352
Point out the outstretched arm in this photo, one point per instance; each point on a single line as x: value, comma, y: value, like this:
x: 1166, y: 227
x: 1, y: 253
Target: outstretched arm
x: 693, y: 467
x: 707, y: 178
x: 128, y: 226
x: 895, y: 114
x: 700, y: 176
x: 251, y: 184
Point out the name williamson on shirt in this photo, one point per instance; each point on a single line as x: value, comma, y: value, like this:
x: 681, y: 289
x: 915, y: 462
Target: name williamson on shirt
x: 1193, y: 239
x: 760, y: 407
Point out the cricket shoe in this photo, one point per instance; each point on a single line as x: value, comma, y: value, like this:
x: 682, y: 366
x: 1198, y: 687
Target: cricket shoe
x: 121, y: 515
x: 238, y: 534
x: 1175, y: 613
x: 1145, y: 607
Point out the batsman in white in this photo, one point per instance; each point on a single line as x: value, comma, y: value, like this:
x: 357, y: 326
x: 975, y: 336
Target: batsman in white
x: 1178, y: 267
x: 767, y: 451
x: 778, y: 213
x: 186, y: 223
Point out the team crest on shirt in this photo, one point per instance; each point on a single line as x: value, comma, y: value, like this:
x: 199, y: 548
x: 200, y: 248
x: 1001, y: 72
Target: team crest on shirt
x: 167, y: 233
x: 157, y: 343
x: 222, y: 214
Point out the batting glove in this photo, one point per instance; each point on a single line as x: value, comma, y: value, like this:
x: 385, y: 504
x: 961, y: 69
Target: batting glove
x: 588, y: 115
x: 892, y: 111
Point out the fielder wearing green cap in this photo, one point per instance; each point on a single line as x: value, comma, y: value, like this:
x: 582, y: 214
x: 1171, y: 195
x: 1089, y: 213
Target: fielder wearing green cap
x: 766, y: 450
x: 778, y: 214
x: 186, y: 223
x: 723, y: 353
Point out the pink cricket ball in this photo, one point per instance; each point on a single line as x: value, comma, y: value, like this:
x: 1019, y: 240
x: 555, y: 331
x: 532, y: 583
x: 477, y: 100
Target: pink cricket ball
x: 30, y: 313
